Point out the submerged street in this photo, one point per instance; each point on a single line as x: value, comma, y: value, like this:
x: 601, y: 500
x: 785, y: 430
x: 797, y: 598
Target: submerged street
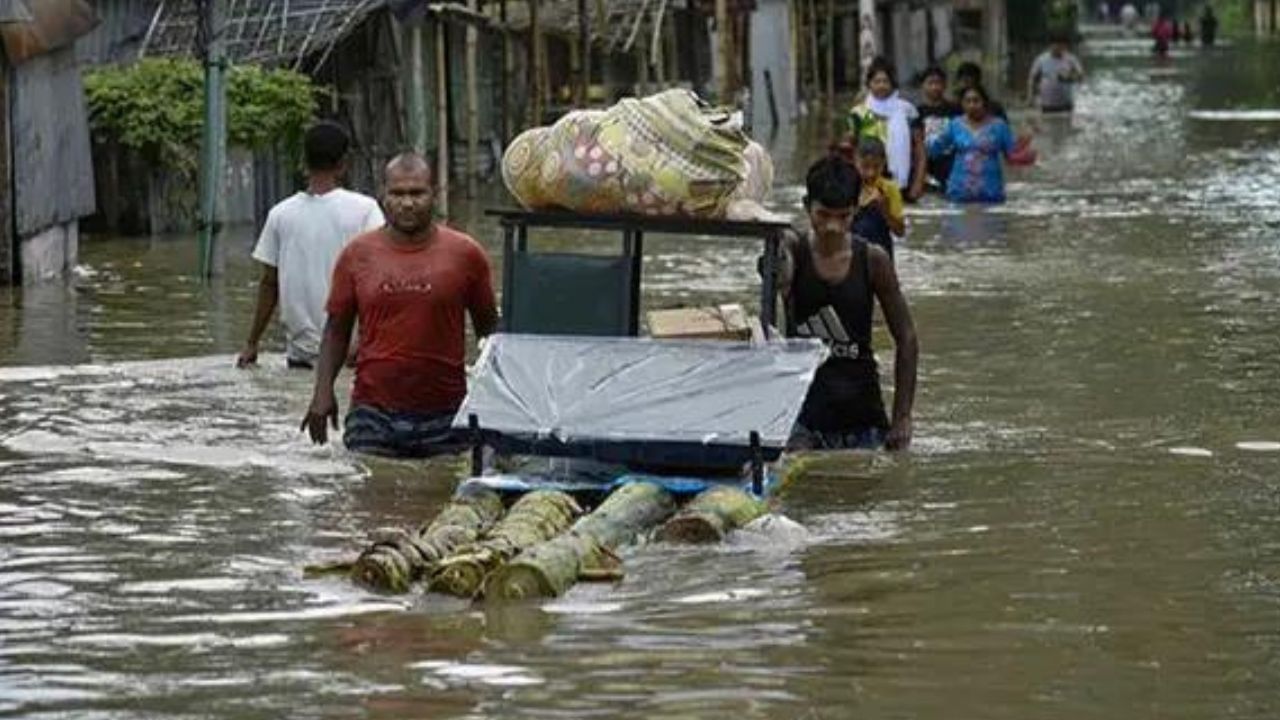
x: 1085, y: 526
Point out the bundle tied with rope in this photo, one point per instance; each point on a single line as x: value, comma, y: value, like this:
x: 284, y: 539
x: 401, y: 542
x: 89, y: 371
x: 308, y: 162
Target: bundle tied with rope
x: 669, y: 154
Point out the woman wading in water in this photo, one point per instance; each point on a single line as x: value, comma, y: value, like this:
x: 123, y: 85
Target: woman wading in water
x: 980, y: 143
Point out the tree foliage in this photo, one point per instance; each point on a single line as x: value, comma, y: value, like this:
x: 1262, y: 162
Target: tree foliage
x: 156, y: 107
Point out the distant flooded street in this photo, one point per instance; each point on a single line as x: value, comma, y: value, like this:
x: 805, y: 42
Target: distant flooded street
x: 1087, y: 526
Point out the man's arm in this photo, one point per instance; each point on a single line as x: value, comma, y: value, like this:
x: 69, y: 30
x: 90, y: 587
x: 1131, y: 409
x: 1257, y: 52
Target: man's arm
x: 268, y: 298
x: 333, y: 352
x: 884, y: 282
x: 484, y: 320
x: 1077, y: 69
x: 481, y: 302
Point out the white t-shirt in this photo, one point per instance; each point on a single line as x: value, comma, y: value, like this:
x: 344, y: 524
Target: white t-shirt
x: 301, y: 239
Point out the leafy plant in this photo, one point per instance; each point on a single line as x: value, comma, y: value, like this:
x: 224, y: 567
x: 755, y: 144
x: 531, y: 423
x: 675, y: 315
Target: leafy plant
x: 156, y: 107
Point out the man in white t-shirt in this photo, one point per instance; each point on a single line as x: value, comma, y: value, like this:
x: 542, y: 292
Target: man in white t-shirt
x: 300, y: 243
x: 1053, y: 78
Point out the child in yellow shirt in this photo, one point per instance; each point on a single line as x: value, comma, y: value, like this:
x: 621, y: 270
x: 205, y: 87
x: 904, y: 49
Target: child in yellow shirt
x: 881, y: 214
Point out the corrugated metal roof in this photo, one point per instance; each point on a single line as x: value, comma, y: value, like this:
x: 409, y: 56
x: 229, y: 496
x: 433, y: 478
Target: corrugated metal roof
x: 267, y: 32
x: 120, y: 33
x: 614, y: 24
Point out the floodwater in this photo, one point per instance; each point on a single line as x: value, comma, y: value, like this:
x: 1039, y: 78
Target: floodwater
x: 1088, y: 525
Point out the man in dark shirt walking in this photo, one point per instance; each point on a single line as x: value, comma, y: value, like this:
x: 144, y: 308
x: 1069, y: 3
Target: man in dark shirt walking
x: 830, y: 283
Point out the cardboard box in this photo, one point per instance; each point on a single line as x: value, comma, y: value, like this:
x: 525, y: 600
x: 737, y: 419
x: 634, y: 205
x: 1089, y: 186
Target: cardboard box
x: 725, y: 322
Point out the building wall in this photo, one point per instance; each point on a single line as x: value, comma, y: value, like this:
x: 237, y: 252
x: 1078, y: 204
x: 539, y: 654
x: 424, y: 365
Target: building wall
x: 52, y: 163
x: 51, y: 253
x: 52, y: 160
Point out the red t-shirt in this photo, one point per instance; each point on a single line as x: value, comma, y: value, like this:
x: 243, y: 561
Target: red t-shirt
x: 411, y: 303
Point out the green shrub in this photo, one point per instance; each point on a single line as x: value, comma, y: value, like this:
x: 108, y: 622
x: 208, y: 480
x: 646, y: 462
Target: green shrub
x: 156, y: 107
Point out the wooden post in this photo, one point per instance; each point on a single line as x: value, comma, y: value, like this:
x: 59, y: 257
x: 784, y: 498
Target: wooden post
x: 442, y: 121
x: 868, y: 35
x: 815, y: 66
x: 473, y: 105
x: 9, y: 250
x: 535, y: 66
x: 657, y: 51
x: 831, y: 63
x: 724, y: 41
x: 584, y: 53
x: 418, y: 87
x: 508, y: 67
x: 797, y: 72
x: 642, y: 71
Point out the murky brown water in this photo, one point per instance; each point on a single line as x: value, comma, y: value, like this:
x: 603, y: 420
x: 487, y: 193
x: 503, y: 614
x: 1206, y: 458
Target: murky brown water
x: 1081, y: 531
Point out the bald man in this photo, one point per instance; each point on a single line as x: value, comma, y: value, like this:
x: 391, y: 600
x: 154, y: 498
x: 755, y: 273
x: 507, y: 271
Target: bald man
x: 409, y: 284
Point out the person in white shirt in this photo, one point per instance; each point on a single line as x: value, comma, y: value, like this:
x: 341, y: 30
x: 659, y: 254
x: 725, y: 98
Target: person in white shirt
x: 299, y: 246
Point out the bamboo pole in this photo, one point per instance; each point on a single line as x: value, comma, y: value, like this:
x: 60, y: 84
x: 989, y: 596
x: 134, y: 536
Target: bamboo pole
x: 473, y: 105
x: 508, y: 67
x: 815, y: 75
x: 535, y: 66
x: 642, y: 71
x: 724, y: 41
x: 442, y: 120
x: 584, y: 53
x: 657, y: 56
x: 417, y: 87
x: 831, y: 63
x: 868, y: 35
x: 797, y: 72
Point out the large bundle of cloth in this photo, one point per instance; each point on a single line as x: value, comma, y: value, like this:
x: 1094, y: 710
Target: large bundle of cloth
x: 668, y: 154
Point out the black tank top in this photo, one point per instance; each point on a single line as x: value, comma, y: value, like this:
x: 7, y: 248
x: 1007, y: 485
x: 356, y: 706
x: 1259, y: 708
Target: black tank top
x: 845, y: 394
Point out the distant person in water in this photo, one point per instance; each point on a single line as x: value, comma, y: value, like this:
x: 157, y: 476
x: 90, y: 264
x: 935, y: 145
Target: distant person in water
x: 880, y: 215
x: 936, y: 110
x: 299, y: 245
x: 1129, y: 17
x: 1208, y: 26
x: 885, y: 115
x: 969, y: 74
x: 411, y: 285
x: 980, y: 143
x: 1163, y: 33
x: 1053, y: 78
x: 830, y: 281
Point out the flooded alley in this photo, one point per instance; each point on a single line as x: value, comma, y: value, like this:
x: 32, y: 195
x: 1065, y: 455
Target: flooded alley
x: 1086, y: 525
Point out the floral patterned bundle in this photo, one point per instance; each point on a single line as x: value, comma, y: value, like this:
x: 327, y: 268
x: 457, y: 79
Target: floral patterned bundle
x: 668, y: 154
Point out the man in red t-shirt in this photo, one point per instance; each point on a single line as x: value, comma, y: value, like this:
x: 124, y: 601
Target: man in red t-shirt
x: 408, y: 284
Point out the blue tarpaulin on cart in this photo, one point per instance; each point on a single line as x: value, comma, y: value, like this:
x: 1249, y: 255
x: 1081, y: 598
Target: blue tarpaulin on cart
x: 639, y: 401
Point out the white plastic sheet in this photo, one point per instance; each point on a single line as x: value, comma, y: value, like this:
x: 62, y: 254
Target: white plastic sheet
x: 638, y: 400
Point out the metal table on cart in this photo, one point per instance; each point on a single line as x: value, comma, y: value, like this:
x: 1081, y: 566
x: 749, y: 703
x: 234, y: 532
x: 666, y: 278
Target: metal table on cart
x: 562, y: 293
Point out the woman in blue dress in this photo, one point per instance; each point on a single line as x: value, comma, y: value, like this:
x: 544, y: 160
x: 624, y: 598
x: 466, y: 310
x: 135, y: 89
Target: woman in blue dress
x: 980, y: 142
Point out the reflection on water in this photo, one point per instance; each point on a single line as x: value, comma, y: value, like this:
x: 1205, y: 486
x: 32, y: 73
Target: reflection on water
x: 1085, y: 528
